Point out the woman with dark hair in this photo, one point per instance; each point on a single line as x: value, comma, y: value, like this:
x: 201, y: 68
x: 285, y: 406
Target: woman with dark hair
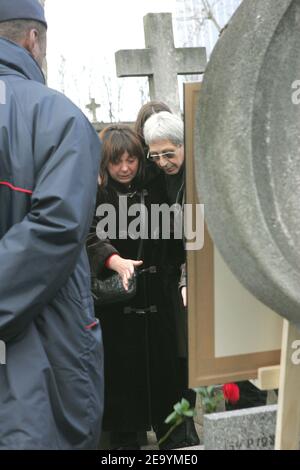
x: 145, y: 112
x: 138, y: 335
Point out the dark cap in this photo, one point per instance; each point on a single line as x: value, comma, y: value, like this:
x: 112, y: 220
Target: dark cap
x: 22, y: 10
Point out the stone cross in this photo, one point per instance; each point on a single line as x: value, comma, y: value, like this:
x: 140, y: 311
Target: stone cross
x: 161, y: 61
x: 92, y: 107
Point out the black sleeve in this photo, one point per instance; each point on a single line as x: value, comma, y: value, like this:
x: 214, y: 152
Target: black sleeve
x: 98, y: 250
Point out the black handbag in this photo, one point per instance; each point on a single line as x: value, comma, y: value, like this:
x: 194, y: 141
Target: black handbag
x: 111, y: 290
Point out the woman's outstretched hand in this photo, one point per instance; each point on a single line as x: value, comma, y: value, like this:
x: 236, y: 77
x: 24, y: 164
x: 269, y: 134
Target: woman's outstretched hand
x: 124, y: 267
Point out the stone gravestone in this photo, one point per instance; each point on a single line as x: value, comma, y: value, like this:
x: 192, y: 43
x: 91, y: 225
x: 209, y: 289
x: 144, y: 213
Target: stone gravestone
x: 249, y: 429
x: 248, y: 150
x: 161, y: 61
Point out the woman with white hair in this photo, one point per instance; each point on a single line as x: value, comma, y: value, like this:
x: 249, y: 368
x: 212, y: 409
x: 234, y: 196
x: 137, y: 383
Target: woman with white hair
x: 164, y: 136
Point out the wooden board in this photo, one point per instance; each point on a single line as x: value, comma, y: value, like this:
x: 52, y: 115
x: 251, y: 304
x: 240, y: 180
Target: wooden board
x: 267, y: 378
x: 288, y: 415
x: 231, y: 334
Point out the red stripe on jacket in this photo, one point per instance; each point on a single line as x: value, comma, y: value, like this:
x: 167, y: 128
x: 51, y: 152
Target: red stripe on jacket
x: 14, y: 188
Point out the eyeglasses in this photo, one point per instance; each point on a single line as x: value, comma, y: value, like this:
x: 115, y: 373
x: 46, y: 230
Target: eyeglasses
x: 155, y: 157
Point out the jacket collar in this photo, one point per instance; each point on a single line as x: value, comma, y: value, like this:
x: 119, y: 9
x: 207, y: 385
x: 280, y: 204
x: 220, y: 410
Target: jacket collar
x: 19, y: 61
x: 134, y: 187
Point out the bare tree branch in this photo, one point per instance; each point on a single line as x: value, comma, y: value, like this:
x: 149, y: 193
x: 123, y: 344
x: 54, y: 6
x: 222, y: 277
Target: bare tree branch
x: 107, y: 84
x: 209, y: 13
x: 61, y: 73
x: 205, y: 13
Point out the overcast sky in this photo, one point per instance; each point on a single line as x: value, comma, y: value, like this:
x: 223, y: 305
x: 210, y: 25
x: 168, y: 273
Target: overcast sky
x: 83, y: 36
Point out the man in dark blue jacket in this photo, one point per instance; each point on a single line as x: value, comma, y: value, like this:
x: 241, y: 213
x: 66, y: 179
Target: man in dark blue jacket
x: 51, y: 393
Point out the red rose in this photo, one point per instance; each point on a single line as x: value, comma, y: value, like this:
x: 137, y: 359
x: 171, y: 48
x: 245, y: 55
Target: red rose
x: 231, y: 393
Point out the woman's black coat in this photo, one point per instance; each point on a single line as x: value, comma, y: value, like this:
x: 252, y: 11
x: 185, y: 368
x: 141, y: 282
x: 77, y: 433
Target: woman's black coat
x: 140, y: 347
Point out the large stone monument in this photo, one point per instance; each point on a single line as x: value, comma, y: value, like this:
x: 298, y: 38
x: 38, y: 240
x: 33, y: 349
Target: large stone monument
x: 161, y: 61
x: 247, y: 150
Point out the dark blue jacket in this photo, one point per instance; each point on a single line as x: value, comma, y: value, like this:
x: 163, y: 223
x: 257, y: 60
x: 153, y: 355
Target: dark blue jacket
x: 51, y: 386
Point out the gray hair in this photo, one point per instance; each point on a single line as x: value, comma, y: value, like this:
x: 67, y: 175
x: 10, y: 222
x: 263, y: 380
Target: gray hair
x: 164, y: 126
x: 16, y: 30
